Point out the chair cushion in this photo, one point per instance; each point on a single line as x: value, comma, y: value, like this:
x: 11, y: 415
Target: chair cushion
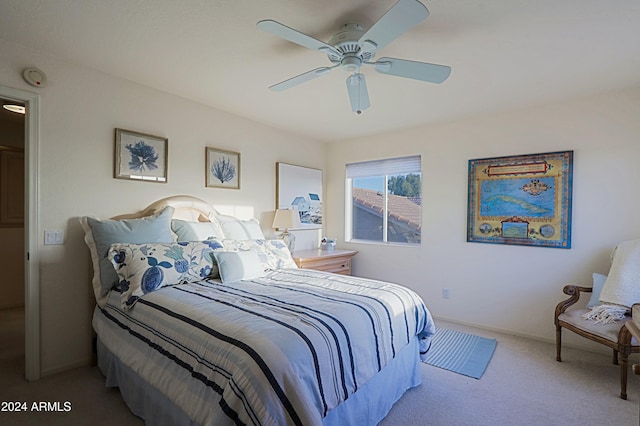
x: 606, y: 331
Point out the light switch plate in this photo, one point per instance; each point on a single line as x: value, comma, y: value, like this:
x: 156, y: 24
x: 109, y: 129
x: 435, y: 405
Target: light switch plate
x: 53, y: 237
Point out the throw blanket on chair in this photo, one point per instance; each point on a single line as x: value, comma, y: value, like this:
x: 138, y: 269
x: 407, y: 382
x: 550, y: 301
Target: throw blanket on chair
x: 622, y: 287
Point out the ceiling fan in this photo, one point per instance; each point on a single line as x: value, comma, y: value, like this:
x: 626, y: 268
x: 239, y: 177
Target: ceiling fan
x: 352, y: 47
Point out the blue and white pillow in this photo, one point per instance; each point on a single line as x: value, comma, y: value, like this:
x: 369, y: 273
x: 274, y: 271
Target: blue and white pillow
x: 101, y: 233
x: 143, y: 268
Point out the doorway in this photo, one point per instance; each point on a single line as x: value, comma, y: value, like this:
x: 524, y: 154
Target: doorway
x: 29, y: 253
x: 12, y: 262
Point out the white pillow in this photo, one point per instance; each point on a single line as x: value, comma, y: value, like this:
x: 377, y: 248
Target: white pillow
x: 196, y: 231
x: 237, y: 229
x: 238, y: 265
x: 273, y: 254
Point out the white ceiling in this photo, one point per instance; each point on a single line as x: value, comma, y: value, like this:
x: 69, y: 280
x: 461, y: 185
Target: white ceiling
x: 504, y: 54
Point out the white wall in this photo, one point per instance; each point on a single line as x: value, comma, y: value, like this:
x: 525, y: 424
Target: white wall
x: 80, y: 108
x: 510, y: 288
x: 504, y: 287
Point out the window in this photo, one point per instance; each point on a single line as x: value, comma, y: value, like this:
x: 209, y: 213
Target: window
x: 384, y: 201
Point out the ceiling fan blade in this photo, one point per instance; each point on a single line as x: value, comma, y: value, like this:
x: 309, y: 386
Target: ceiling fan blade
x: 358, y: 95
x: 432, y: 73
x: 403, y: 16
x: 294, y: 81
x: 294, y: 36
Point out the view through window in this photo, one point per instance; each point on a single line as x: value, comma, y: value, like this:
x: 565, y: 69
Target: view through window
x: 384, y: 200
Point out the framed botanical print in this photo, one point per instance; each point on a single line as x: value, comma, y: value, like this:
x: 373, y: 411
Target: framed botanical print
x: 222, y: 168
x: 139, y: 156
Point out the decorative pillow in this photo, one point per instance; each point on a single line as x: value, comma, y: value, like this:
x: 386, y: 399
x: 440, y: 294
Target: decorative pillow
x: 143, y: 268
x: 236, y: 229
x: 598, y: 282
x: 101, y: 233
x: 273, y: 254
x: 195, y: 231
x: 238, y: 265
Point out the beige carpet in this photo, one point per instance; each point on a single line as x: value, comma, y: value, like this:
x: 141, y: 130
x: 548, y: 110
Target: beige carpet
x: 523, y: 385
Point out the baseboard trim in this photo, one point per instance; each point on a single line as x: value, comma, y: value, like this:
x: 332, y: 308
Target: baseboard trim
x: 600, y: 349
x: 86, y: 362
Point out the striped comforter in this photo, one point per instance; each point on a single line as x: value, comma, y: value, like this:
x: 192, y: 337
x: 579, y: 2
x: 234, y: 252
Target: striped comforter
x: 278, y: 350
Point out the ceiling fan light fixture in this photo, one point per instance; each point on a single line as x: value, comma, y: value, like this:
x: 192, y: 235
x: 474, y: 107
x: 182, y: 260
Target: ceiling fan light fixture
x: 358, y: 94
x: 351, y: 63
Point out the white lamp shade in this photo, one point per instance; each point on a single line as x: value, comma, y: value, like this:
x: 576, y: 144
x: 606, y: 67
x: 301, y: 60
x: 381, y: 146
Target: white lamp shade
x: 286, y: 219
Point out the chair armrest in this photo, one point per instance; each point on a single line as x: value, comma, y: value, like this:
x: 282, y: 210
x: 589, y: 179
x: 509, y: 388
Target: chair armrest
x: 574, y: 295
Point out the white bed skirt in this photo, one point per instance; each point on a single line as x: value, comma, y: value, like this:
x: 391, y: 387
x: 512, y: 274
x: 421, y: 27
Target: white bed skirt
x: 371, y: 403
x: 368, y: 406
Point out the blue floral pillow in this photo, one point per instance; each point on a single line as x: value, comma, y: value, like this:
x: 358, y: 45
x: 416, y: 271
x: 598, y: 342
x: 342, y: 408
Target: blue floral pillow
x: 143, y: 268
x: 101, y: 233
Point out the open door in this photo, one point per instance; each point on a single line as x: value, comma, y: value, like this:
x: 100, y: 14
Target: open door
x: 31, y: 227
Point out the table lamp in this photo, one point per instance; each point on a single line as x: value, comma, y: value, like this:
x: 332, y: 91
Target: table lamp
x: 286, y: 219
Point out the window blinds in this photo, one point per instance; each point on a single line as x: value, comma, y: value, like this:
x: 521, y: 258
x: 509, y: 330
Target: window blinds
x: 388, y: 167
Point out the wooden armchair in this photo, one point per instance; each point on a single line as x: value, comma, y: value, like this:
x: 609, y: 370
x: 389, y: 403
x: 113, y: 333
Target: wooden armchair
x: 615, y: 335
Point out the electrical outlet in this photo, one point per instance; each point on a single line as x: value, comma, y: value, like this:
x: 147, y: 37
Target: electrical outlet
x: 445, y: 293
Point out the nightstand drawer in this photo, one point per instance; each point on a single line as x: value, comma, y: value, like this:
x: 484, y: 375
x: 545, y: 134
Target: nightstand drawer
x: 338, y: 265
x: 336, y: 261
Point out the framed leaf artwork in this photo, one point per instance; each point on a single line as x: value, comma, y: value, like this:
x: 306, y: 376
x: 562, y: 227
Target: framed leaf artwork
x: 222, y: 168
x: 139, y: 156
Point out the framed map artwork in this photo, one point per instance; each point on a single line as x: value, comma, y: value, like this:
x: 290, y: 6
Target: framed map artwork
x: 521, y: 200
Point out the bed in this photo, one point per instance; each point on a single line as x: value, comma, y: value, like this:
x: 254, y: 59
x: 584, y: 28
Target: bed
x: 201, y: 320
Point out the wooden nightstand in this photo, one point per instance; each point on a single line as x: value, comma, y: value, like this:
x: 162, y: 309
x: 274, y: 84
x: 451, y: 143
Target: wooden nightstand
x: 337, y: 261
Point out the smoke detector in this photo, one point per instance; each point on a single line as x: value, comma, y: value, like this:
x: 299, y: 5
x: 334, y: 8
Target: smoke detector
x: 34, y: 77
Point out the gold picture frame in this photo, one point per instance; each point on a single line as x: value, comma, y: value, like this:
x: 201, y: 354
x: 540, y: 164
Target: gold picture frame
x: 521, y: 200
x: 222, y: 168
x: 140, y: 156
x: 299, y: 188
